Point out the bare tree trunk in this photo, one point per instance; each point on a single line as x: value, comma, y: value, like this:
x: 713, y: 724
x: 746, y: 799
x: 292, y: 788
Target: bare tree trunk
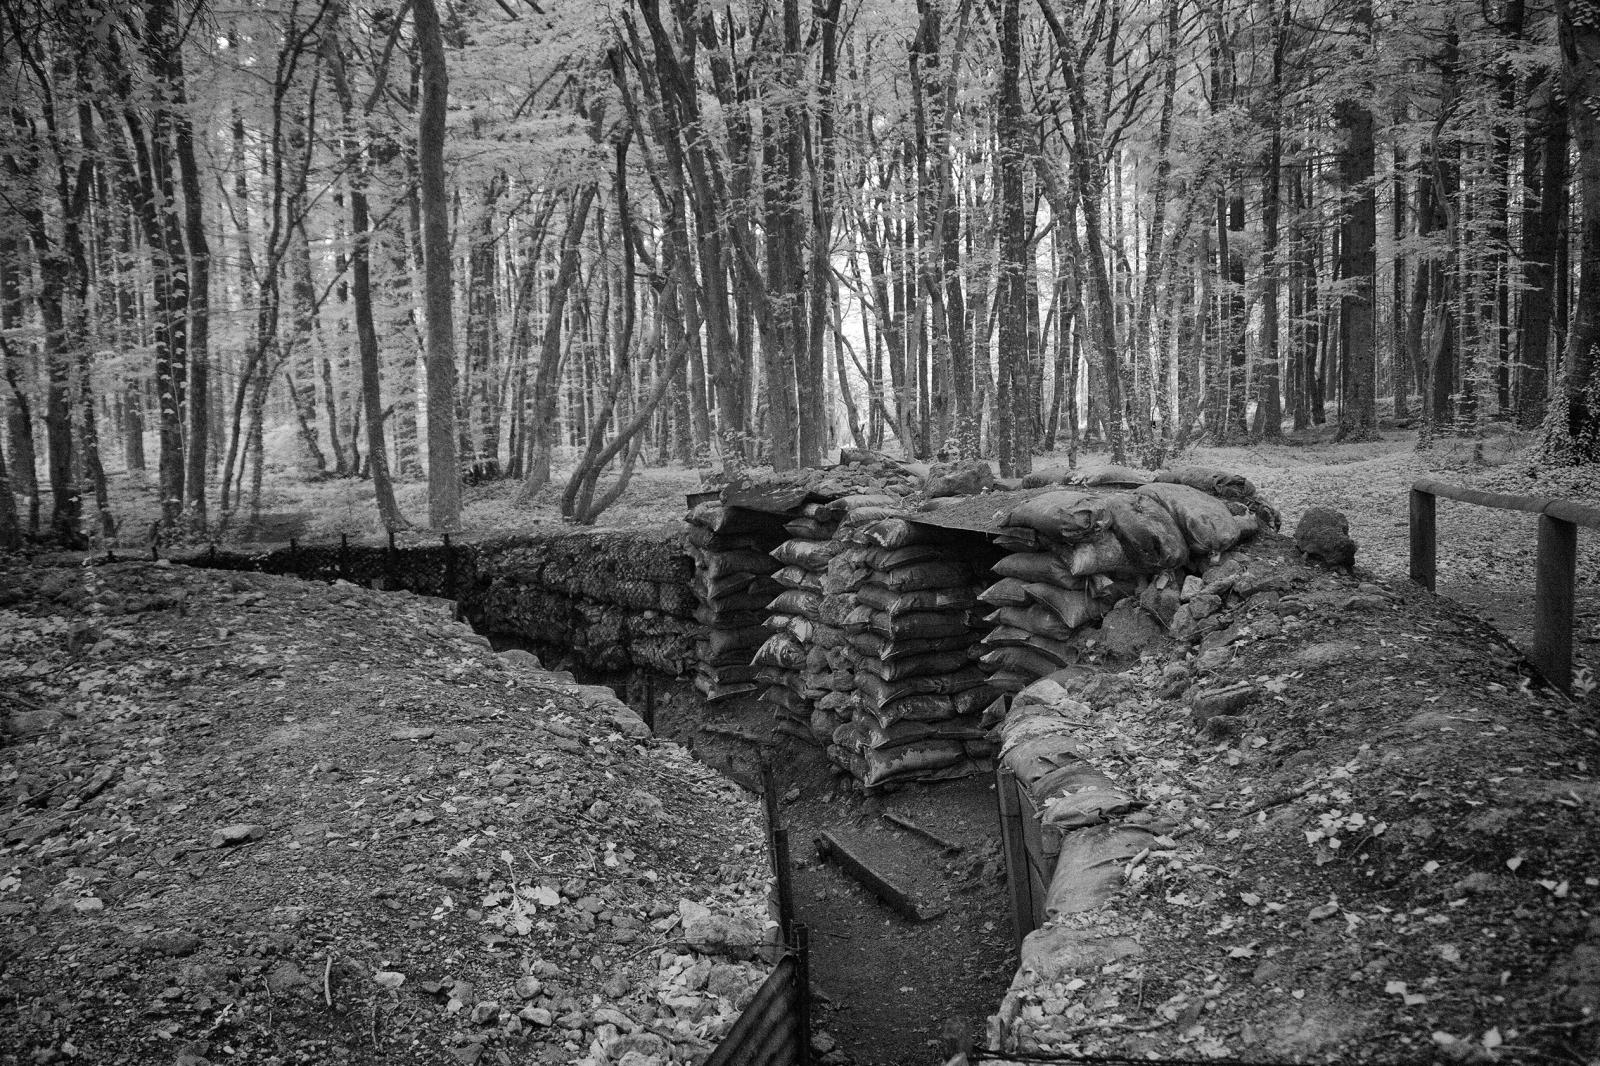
x: 444, y: 473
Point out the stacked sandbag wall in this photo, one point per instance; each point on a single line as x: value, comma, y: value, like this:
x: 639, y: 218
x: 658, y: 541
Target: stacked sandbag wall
x: 792, y: 661
x: 603, y: 601
x: 732, y: 584
x: 1077, y: 553
x: 913, y: 709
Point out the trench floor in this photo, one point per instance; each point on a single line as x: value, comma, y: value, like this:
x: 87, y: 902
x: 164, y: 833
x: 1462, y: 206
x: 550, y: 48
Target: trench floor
x: 889, y: 990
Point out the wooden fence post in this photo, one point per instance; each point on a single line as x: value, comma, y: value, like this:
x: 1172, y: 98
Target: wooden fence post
x: 1552, y: 601
x: 344, y: 556
x: 802, y: 989
x: 1424, y: 538
x: 1014, y: 847
x: 392, y: 563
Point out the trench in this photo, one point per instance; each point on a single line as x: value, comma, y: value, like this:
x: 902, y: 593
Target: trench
x: 888, y: 989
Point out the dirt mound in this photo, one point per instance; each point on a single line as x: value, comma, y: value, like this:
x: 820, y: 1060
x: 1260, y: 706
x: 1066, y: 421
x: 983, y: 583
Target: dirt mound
x: 274, y: 821
x: 1373, y: 842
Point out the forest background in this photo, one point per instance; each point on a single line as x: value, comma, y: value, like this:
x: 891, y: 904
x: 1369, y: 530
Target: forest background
x: 498, y: 238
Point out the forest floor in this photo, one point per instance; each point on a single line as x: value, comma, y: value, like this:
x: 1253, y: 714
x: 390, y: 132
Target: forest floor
x: 888, y: 982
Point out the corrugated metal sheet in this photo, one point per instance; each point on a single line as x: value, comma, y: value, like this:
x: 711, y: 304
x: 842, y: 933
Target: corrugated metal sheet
x: 768, y: 1033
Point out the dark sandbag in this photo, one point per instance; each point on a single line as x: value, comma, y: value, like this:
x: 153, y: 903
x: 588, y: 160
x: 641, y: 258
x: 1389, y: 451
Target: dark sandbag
x: 892, y: 558
x: 1025, y: 661
x: 957, y: 598
x: 1060, y: 651
x: 939, y: 662
x: 703, y: 538
x: 1077, y: 794
x: 1207, y: 524
x: 780, y: 650
x: 1011, y: 681
x: 846, y: 572
x: 1063, y: 515
x: 1040, y: 566
x: 1150, y: 539
x: 898, y: 533
x: 717, y: 618
x: 888, y: 649
x: 907, y: 731
x: 798, y: 577
x: 931, y: 706
x: 1123, y: 477
x: 1007, y: 592
x: 720, y: 564
x: 793, y: 601
x: 1102, y: 555
x: 907, y: 761
x: 917, y: 625
x: 808, y: 528
x: 1218, y: 483
x: 810, y: 555
x: 1075, y: 607
x: 1036, y: 619
x: 1021, y: 539
x: 879, y: 691
x: 924, y: 576
x: 789, y: 679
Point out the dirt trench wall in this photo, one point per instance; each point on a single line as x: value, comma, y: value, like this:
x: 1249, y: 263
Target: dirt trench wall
x: 602, y: 601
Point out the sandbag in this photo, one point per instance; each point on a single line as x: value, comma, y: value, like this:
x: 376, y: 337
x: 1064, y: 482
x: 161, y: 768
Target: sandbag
x: 897, y: 533
x: 1011, y: 681
x: 823, y: 723
x: 1218, y: 483
x: 1207, y: 524
x: 794, y: 601
x: 717, y: 618
x: 879, y: 598
x: 840, y: 703
x: 1078, y: 795
x: 810, y: 555
x: 906, y: 731
x: 798, y: 577
x: 930, y: 706
x: 891, y: 558
x: 1089, y: 868
x: 702, y: 537
x: 1063, y: 515
x: 846, y: 572
x: 780, y: 650
x: 939, y: 662
x: 1150, y: 539
x: 807, y: 528
x: 1075, y: 607
x: 1007, y: 592
x: 1024, y: 661
x: 1062, y: 653
x: 730, y: 520
x: 904, y: 761
x: 1035, y: 618
x: 1040, y: 566
x: 828, y: 636
x: 915, y: 625
x: 918, y: 576
x: 878, y: 646
x: 1021, y: 539
x: 879, y: 691
x: 1113, y: 477
x: 1102, y: 555
x: 720, y: 564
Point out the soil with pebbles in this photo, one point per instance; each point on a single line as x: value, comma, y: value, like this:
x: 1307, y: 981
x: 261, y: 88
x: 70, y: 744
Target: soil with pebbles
x: 252, y: 819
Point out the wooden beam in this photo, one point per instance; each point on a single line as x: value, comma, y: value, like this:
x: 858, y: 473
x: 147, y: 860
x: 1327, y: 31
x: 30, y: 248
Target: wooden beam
x: 896, y: 898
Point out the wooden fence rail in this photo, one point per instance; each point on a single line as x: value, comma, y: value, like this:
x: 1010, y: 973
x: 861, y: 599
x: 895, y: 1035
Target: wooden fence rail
x: 1556, y: 567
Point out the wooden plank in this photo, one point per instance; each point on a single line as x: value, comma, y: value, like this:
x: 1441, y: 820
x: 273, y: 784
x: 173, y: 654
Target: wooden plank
x: 1424, y: 537
x: 1579, y: 514
x: 1552, y: 601
x: 1015, y: 851
x: 1498, y: 500
x: 897, y: 898
x: 950, y: 847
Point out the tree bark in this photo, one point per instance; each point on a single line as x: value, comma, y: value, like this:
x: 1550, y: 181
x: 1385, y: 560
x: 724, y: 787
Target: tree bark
x: 444, y: 472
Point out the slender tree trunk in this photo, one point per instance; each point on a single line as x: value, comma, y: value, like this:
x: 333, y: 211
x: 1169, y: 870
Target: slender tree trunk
x: 1543, y: 220
x: 444, y: 473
